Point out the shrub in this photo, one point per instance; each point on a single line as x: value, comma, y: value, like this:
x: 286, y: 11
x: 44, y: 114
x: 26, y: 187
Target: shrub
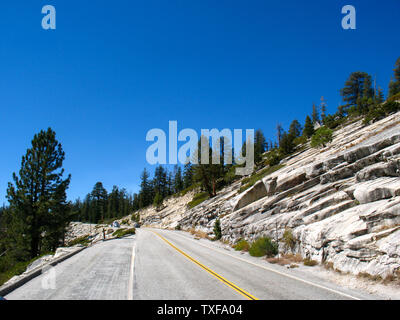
x: 178, y: 227
x: 310, y: 263
x: 242, y: 245
x: 263, y: 246
x: 288, y: 239
x: 273, y: 157
x: 84, y: 240
x: 135, y: 217
x: 217, y: 229
x: 123, y: 232
x: 12, y: 268
x: 197, y: 199
x: 300, y: 140
x: 321, y: 137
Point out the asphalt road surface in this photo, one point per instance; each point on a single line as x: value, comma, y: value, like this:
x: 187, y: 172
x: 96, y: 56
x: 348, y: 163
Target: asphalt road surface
x: 160, y: 265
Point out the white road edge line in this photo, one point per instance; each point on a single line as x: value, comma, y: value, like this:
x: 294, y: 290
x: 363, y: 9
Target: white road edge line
x: 130, y: 283
x: 272, y: 270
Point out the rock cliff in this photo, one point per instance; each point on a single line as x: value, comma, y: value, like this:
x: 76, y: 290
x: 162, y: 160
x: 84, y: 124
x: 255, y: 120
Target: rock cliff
x: 341, y: 203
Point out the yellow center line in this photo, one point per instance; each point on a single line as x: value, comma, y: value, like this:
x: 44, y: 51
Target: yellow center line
x: 216, y: 275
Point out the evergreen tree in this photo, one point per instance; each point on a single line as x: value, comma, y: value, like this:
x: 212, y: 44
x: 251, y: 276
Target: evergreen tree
x: 379, y: 97
x: 158, y: 201
x: 286, y: 146
x: 217, y: 229
x: 295, y: 129
x: 308, y: 130
x: 260, y: 145
x: 188, y: 175
x: 357, y: 87
x: 279, y: 132
x: 178, y: 180
x: 160, y: 183
x: 323, y: 109
x: 38, y: 196
x: 99, y: 202
x: 394, y: 86
x: 315, y: 114
x: 146, y: 190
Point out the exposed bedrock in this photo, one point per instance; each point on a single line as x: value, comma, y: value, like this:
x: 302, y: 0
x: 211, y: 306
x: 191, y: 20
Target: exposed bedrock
x: 341, y: 203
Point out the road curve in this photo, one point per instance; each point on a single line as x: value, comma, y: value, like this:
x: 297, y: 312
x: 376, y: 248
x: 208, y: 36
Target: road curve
x: 171, y: 265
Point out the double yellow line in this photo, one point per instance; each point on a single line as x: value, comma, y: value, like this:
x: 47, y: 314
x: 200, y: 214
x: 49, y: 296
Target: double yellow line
x: 216, y: 275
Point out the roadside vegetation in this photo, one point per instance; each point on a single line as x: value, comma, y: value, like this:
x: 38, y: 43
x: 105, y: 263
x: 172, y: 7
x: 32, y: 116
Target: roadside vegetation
x: 84, y: 240
x: 9, y: 270
x: 263, y: 246
x: 242, y: 245
x: 124, y: 232
x: 32, y: 224
x: 197, y: 199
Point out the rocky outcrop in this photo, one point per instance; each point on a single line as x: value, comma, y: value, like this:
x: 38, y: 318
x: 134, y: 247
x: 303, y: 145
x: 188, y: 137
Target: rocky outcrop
x: 341, y: 202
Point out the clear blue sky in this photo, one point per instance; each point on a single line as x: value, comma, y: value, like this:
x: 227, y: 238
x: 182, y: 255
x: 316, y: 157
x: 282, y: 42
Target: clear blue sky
x: 112, y: 70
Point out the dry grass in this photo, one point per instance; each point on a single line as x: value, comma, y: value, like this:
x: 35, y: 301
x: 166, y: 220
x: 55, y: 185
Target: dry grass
x: 366, y: 275
x: 198, y: 234
x: 287, y: 259
x: 329, y: 266
x: 309, y: 262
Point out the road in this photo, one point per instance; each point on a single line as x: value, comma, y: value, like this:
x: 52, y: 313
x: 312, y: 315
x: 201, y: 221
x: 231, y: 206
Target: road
x: 162, y: 264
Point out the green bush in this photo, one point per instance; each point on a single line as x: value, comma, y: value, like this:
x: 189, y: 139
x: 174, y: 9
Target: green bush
x: 135, y: 217
x: 381, y: 111
x: 300, y: 140
x: 288, y: 239
x: 197, y: 199
x: 263, y: 246
x: 217, y: 229
x: 16, y: 268
x: 321, y: 137
x: 84, y: 240
x: 242, y: 245
x: 273, y: 158
x: 123, y: 232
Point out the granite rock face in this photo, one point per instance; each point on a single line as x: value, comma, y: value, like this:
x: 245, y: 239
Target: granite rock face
x: 341, y: 203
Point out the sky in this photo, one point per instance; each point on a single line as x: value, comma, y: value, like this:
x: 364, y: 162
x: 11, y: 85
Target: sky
x: 113, y: 70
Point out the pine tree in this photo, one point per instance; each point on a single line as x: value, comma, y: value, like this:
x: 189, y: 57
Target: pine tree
x: 188, y: 175
x: 315, y: 114
x: 146, y: 190
x: 295, y: 129
x: 158, y: 200
x: 178, y: 180
x: 286, y: 146
x: 394, y: 86
x: 38, y: 196
x: 379, y: 97
x: 260, y: 146
x: 99, y: 202
x: 323, y: 109
x: 357, y: 87
x: 279, y: 132
x: 308, y: 130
